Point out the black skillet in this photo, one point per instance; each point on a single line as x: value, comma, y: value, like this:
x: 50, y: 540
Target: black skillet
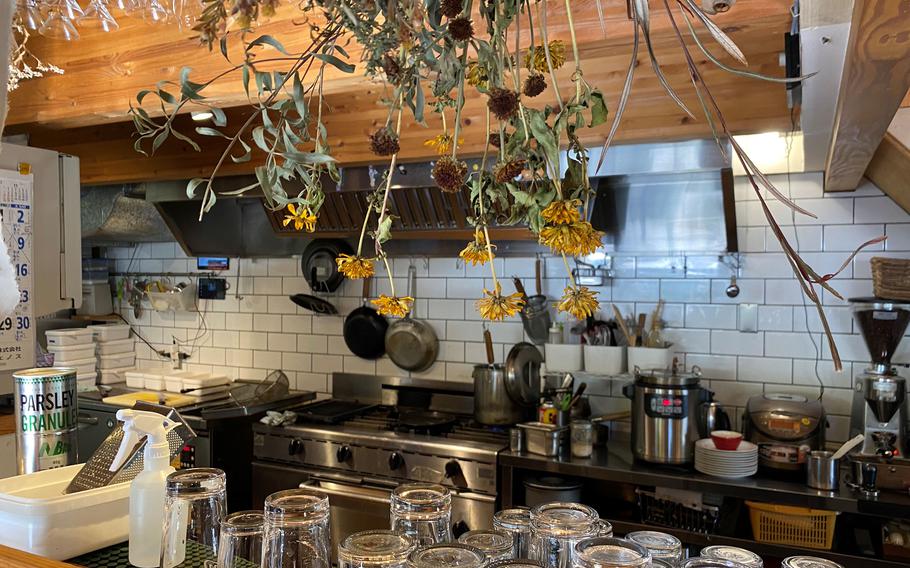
x: 364, y: 329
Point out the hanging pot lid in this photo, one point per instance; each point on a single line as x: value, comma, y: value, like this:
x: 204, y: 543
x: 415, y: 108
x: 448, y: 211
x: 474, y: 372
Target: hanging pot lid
x: 318, y: 264
x: 668, y: 377
x: 523, y: 374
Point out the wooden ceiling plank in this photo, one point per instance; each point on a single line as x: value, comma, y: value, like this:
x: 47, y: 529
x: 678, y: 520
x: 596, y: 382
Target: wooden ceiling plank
x: 889, y: 169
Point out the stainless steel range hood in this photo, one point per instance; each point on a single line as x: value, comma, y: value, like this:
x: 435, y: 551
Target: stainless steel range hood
x: 650, y: 197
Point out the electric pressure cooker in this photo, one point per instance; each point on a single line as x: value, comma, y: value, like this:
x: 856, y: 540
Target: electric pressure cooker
x: 670, y: 412
x: 785, y: 427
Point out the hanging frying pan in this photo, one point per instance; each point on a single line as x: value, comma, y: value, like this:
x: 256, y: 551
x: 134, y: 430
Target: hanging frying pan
x: 412, y: 343
x: 314, y: 304
x: 365, y: 329
x: 318, y: 264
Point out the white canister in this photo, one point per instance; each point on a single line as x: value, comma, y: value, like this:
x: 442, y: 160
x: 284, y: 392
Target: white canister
x: 605, y: 359
x: 650, y: 357
x: 564, y: 357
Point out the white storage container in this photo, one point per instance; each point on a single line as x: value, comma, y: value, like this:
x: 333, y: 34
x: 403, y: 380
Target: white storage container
x: 35, y: 515
x: 81, y: 366
x: 173, y: 382
x: 134, y: 379
x: 647, y: 358
x: 67, y: 337
x: 118, y: 361
x: 564, y: 357
x: 110, y: 331
x: 86, y: 382
x: 153, y: 381
x: 115, y: 347
x: 115, y: 375
x: 66, y: 353
x: 605, y: 359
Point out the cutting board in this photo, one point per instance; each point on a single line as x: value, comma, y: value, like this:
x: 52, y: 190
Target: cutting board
x: 165, y: 398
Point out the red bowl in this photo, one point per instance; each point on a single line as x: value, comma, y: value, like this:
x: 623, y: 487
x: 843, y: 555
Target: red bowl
x: 726, y: 439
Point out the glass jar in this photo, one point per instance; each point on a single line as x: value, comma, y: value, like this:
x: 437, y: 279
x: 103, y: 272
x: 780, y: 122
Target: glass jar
x: 582, y: 438
x: 661, y: 545
x: 808, y: 562
x: 194, y: 506
x: 515, y: 563
x: 422, y: 511
x: 447, y: 555
x: 297, y: 530
x: 516, y: 522
x: 609, y: 552
x: 556, y: 528
x: 734, y: 553
x: 496, y: 545
x: 375, y: 549
x: 603, y: 528
x: 240, y: 542
x: 702, y: 562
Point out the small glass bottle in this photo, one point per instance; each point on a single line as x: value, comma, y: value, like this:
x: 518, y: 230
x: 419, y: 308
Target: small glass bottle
x: 582, y: 437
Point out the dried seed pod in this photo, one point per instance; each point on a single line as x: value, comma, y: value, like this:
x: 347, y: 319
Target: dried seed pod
x: 392, y: 69
x: 449, y: 174
x: 384, y: 142
x: 451, y: 8
x: 503, y: 103
x: 461, y: 29
x: 507, y: 171
x: 534, y: 85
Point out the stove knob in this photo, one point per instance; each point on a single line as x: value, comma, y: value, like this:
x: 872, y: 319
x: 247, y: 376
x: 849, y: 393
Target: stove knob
x: 396, y: 461
x: 453, y: 469
x: 295, y: 447
x: 344, y: 454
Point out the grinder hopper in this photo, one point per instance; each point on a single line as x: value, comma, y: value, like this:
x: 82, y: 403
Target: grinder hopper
x: 882, y: 324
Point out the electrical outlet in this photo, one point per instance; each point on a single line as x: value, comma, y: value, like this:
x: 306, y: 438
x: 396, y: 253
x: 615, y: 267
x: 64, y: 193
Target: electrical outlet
x: 747, y: 318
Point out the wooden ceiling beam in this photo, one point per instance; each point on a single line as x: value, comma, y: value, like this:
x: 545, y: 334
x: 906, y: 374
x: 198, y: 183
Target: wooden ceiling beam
x: 889, y: 169
x: 875, y: 79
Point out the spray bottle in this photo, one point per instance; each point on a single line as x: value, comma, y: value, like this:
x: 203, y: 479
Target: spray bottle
x: 148, y: 488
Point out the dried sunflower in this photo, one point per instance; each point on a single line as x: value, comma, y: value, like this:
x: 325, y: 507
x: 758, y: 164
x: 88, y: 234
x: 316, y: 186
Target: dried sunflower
x: 575, y: 239
x: 392, y: 68
x: 355, y: 266
x: 449, y: 174
x: 562, y: 212
x: 442, y: 143
x: 476, y: 75
x: 536, y: 59
x: 393, y: 305
x: 534, y: 85
x: 451, y: 8
x: 461, y: 28
x: 384, y: 142
x: 496, y: 307
x: 505, y: 172
x: 578, y: 301
x: 302, y: 218
x: 476, y: 252
x: 494, y: 140
x: 503, y: 103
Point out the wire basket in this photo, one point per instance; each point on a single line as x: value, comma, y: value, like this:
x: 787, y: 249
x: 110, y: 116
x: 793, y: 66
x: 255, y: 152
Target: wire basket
x: 794, y: 526
x: 673, y: 514
x: 891, y: 278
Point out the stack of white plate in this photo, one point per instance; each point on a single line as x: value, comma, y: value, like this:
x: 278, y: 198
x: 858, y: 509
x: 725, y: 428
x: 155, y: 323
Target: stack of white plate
x: 730, y: 464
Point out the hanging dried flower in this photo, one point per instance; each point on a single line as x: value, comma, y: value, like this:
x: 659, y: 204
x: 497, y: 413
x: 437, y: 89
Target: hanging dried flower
x: 578, y: 301
x: 503, y: 103
x: 496, y: 307
x: 451, y: 8
x: 476, y: 75
x: 393, y: 305
x: 355, y: 266
x: 449, y: 174
x: 461, y: 29
x: 536, y: 59
x: 392, y: 69
x: 505, y: 172
x: 534, y: 85
x: 302, y: 218
x: 562, y: 212
x: 442, y: 143
x: 476, y: 252
x: 384, y: 142
x: 495, y: 141
x: 576, y: 239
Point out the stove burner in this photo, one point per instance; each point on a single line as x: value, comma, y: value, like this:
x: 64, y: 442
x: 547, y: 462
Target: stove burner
x: 423, y: 421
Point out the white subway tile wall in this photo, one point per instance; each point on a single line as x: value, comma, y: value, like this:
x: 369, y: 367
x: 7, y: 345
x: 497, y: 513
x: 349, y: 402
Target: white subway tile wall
x: 257, y: 329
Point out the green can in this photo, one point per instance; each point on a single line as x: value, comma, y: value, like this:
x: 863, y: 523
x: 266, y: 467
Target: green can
x: 46, y: 412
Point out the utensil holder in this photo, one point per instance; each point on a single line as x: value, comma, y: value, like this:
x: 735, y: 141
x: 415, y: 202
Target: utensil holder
x: 822, y: 471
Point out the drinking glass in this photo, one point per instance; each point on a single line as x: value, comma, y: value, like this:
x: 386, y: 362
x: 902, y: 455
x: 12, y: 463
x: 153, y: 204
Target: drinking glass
x: 496, y: 545
x: 556, y: 528
x: 97, y: 14
x: 422, y: 511
x: 194, y: 506
x: 241, y: 540
x: 375, y: 549
x: 31, y: 15
x: 517, y: 523
x: 57, y: 25
x: 447, y: 555
x: 609, y: 552
x: 515, y: 563
x: 661, y: 545
x: 154, y: 12
x: 734, y: 553
x: 131, y: 8
x: 297, y: 530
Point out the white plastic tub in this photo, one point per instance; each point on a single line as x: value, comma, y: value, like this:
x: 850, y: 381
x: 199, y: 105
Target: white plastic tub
x: 134, y: 379
x: 118, y: 361
x: 110, y: 332
x: 115, y: 347
x: 67, y: 337
x: 114, y: 376
x: 154, y: 381
x: 35, y: 515
x: 82, y: 366
x: 174, y: 382
x: 65, y: 353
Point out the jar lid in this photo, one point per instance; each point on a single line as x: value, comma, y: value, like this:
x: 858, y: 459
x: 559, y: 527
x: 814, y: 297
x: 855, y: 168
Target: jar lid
x: 562, y: 518
x: 733, y: 553
x: 377, y: 546
x: 655, y: 541
x: 611, y: 552
x: 512, y: 519
x: 492, y: 543
x: 808, y: 562
x: 447, y: 555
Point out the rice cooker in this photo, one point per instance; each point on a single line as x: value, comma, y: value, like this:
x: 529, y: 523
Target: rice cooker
x: 785, y: 428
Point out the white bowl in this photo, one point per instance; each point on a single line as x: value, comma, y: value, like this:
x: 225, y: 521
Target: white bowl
x: 605, y: 359
x: 650, y: 358
x: 564, y: 357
